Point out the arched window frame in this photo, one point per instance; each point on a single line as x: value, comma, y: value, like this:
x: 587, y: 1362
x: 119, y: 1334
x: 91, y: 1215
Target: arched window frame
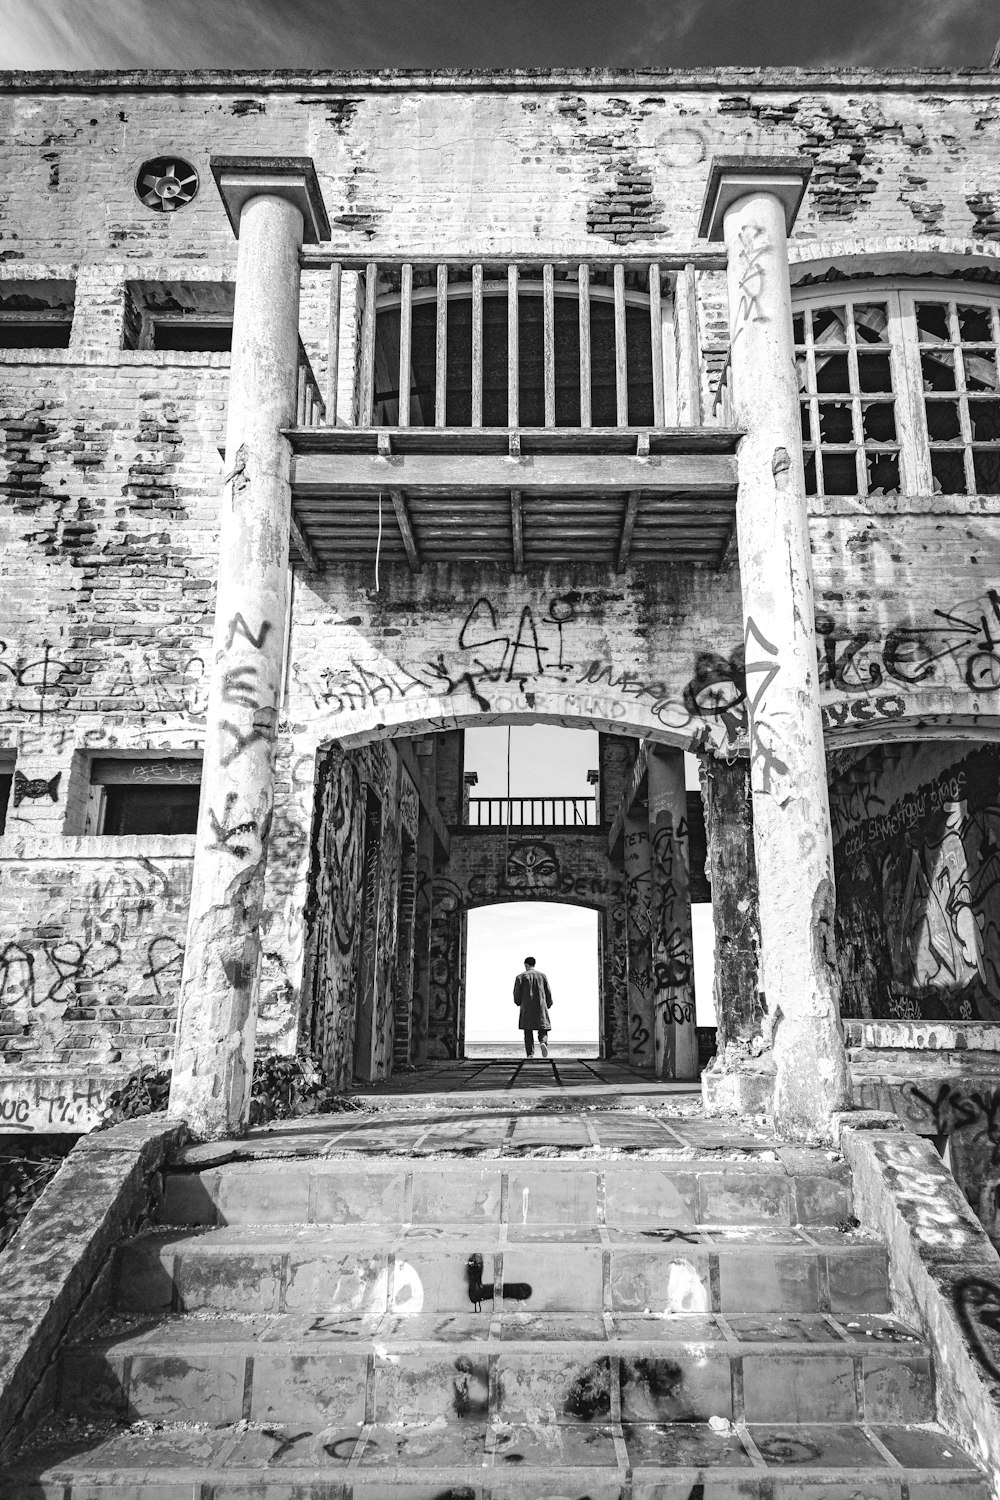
x: 906, y: 350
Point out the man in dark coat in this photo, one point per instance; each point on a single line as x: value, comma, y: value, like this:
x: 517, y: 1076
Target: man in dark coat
x: 533, y: 996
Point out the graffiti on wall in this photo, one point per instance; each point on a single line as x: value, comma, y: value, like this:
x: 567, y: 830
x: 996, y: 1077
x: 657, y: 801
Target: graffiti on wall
x: 918, y: 890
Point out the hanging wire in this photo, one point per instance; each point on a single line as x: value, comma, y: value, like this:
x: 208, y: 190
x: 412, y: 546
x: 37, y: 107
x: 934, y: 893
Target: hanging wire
x: 506, y: 852
x: 378, y: 544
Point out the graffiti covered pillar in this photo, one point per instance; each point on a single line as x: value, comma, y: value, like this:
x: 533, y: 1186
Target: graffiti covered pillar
x: 638, y: 881
x: 675, y: 1033
x: 273, y: 205
x: 422, y: 940
x: 732, y: 874
x: 751, y: 203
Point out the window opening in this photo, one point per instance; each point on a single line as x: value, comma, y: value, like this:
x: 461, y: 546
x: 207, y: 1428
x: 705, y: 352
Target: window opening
x: 36, y: 314
x: 899, y: 389
x: 6, y: 787
x: 192, y: 316
x: 144, y: 797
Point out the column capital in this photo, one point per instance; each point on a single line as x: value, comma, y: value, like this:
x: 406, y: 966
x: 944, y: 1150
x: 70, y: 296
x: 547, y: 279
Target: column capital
x: 733, y: 177
x: 240, y: 178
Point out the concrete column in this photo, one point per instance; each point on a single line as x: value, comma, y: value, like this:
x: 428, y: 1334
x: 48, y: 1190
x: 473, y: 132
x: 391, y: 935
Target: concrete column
x: 676, y: 1037
x: 638, y: 882
x: 273, y: 205
x: 732, y: 874
x: 751, y: 203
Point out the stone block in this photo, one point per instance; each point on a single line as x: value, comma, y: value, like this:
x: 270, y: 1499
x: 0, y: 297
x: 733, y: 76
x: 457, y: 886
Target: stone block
x: 551, y: 1197
x: 267, y: 1193
x: 745, y: 1197
x: 186, y: 1387
x: 762, y: 1282
x: 645, y: 1283
x: 898, y: 1390
x: 650, y: 1195
x: 817, y: 1388
x: 351, y: 1197
x: 330, y: 1282
x: 428, y: 1388
x: 243, y: 1281
x: 858, y: 1280
x: 457, y: 1197
x: 315, y: 1390
x: 563, y: 1278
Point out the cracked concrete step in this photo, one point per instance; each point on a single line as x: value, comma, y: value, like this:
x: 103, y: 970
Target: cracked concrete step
x: 690, y: 1373
x: 474, y: 1460
x: 309, y: 1269
x: 681, y: 1193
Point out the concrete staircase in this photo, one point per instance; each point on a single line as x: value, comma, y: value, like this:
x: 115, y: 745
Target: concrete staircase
x: 697, y: 1322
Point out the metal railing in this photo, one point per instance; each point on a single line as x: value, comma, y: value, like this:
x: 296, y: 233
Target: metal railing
x: 614, y: 361
x: 532, y: 812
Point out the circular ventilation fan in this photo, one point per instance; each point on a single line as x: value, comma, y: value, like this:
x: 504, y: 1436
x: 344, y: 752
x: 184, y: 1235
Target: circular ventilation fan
x: 166, y: 183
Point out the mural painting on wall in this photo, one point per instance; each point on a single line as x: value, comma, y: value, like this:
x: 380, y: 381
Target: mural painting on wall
x: 673, y: 958
x: 445, y: 968
x: 385, y: 957
x: 918, y: 886
x: 332, y: 911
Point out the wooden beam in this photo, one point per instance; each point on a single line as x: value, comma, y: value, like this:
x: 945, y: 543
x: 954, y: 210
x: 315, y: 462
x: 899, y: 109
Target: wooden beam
x: 656, y: 341
x: 513, y: 347
x: 517, y: 530
x: 405, y: 335
x: 549, y: 344
x: 628, y: 527
x: 303, y: 546
x: 459, y: 474
x: 333, y: 344
x: 477, y: 346
x: 405, y: 529
x: 368, y: 346
x: 584, y: 314
x: 621, y: 347
x: 441, y: 350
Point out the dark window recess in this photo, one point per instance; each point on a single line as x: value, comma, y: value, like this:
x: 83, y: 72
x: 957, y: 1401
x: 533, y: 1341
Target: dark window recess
x: 149, y: 808
x: 36, y: 314
x: 6, y: 782
x: 190, y: 316
x: 531, y: 369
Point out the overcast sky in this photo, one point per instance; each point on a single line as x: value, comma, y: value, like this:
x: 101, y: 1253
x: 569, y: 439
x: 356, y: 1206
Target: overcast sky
x: 494, y: 33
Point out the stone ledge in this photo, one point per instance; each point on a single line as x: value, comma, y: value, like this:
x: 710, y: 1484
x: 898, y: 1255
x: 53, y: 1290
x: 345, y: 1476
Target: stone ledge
x: 102, y: 1190
x: 943, y: 1271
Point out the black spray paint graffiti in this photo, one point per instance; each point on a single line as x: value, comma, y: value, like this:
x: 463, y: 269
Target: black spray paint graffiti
x: 752, y: 246
x: 963, y: 639
x: 37, y: 787
x: 977, y: 1303
x: 63, y: 973
x: 953, y: 1110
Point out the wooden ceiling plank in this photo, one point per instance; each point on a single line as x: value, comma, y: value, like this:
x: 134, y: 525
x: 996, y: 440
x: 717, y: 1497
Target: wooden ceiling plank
x: 462, y: 474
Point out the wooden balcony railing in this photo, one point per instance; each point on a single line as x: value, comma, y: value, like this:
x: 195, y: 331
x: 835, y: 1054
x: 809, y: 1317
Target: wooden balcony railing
x: 517, y: 343
x: 532, y: 812
x: 310, y: 408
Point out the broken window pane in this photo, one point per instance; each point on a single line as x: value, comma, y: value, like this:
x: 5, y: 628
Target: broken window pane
x: 883, y: 473
x: 829, y: 325
x: 980, y: 369
x: 985, y: 419
x: 943, y: 421
x: 799, y: 328
x: 986, y: 464
x: 809, y: 463
x: 840, y: 474
x: 938, y: 370
x: 833, y: 373
x: 932, y: 323
x: 836, y: 423
x: 871, y: 323
x: 879, y: 421
x: 804, y: 415
x: 874, y: 372
x: 948, y: 468
x: 975, y: 325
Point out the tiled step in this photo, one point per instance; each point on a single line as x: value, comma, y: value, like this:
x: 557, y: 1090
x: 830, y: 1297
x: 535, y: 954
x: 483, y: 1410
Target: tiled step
x: 556, y: 1268
x: 682, y: 1192
x: 475, y: 1460
x: 685, y: 1369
